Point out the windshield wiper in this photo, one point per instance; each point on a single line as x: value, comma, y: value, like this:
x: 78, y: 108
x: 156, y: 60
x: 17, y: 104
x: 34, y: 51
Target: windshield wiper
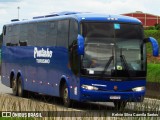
x: 123, y: 59
x: 107, y: 65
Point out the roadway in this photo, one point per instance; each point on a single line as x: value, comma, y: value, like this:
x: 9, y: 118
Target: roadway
x: 4, y: 89
x: 36, y: 102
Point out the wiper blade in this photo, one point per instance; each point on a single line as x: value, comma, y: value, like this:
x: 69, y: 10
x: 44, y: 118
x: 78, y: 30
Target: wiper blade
x: 107, y: 65
x: 123, y: 59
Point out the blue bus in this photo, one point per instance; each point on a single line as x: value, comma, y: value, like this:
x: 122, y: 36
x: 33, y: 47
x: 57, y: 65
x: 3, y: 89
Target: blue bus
x: 77, y: 56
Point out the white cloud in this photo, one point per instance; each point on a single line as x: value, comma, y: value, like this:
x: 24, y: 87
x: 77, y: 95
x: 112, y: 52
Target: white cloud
x: 8, y: 0
x: 30, y: 8
x: 3, y: 12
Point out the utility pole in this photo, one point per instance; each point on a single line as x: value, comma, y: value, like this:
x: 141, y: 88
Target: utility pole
x: 18, y: 11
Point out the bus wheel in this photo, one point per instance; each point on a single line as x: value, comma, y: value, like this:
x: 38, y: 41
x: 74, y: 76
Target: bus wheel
x: 65, y: 95
x: 14, y: 86
x: 120, y: 105
x: 20, y: 88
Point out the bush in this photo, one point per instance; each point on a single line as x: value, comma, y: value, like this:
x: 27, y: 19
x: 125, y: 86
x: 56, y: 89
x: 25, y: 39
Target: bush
x: 152, y: 33
x: 157, y: 26
x: 151, y: 28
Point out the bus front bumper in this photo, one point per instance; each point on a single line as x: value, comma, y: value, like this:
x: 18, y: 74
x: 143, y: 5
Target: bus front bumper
x: 106, y: 96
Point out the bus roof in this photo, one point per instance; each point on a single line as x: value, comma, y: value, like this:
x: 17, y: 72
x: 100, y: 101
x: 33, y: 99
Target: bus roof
x: 81, y: 17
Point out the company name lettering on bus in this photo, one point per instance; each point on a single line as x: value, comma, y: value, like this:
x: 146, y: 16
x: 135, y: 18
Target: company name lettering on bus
x: 43, y: 61
x: 42, y: 53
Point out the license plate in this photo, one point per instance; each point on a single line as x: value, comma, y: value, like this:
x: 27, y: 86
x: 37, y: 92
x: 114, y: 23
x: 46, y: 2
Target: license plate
x: 115, y: 97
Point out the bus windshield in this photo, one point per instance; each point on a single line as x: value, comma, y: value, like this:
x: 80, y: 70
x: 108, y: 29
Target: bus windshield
x: 113, y: 50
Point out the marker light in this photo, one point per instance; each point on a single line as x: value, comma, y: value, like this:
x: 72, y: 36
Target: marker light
x: 138, y: 89
x: 88, y: 87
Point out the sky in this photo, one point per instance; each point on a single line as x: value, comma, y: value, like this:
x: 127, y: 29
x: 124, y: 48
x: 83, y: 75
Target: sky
x: 31, y: 8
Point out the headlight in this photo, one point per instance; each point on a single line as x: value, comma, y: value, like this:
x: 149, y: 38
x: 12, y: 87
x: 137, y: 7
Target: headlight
x: 137, y: 89
x: 88, y: 87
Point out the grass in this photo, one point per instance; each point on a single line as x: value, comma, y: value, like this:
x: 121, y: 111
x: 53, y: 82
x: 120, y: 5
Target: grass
x: 11, y: 103
x: 40, y: 105
x: 153, y: 72
x: 152, y: 33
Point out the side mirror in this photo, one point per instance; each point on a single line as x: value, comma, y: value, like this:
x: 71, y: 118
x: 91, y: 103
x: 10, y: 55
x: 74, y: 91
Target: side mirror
x: 80, y: 45
x: 155, y: 46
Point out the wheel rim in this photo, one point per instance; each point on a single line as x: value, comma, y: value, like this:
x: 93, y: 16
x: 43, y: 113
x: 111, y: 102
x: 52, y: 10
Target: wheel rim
x: 14, y: 86
x: 19, y: 88
x: 65, y: 96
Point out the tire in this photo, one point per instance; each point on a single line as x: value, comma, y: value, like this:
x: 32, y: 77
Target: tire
x: 14, y: 86
x: 20, y: 91
x: 65, y: 96
x: 120, y: 105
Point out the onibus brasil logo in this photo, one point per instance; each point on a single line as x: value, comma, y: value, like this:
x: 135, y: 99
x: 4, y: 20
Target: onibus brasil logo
x: 42, y: 55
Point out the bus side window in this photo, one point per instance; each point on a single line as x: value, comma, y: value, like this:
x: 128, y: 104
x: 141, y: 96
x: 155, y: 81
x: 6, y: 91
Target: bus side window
x: 7, y: 38
x: 73, y: 54
x: 41, y: 34
x: 22, y: 43
x: 62, y: 38
x: 3, y: 35
x: 8, y: 44
x: 23, y: 34
x: 4, y: 30
x: 32, y: 34
x: 12, y: 36
x: 73, y: 31
x: 52, y: 33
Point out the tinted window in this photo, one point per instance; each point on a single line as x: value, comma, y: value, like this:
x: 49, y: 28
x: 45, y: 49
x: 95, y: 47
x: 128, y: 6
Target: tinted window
x: 4, y: 30
x: 73, y: 55
x: 5, y: 37
x: 23, y: 35
x: 12, y: 36
x: 41, y: 34
x: 8, y: 35
x: 132, y: 31
x: 52, y: 33
x: 62, y: 39
x: 73, y: 31
x: 32, y: 34
x: 96, y: 30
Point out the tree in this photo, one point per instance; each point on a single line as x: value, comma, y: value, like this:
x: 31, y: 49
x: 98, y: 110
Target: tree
x: 157, y: 26
x: 1, y: 39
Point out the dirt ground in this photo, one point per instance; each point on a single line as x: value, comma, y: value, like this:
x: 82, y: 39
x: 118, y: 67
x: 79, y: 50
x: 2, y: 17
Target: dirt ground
x: 153, y: 90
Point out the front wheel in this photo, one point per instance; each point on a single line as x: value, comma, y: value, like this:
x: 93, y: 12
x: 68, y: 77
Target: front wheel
x: 14, y: 87
x: 120, y: 105
x: 65, y: 96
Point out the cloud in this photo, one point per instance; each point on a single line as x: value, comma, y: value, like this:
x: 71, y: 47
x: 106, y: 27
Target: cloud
x: 9, y: 1
x: 3, y: 12
x: 101, y: 6
x: 31, y: 8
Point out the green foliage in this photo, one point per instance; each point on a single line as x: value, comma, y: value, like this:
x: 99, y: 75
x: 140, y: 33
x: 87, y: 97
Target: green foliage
x: 1, y: 39
x: 151, y: 28
x: 153, y: 72
x: 152, y: 33
x: 157, y: 26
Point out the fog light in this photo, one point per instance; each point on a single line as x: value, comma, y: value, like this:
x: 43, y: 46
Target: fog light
x: 137, y: 89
